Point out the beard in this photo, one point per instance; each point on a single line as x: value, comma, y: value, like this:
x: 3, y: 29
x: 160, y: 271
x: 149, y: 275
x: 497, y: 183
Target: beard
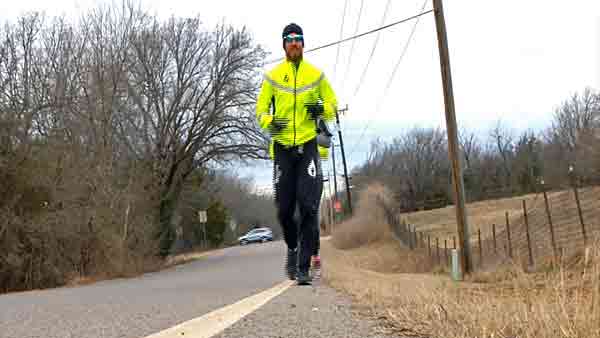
x: 294, y: 54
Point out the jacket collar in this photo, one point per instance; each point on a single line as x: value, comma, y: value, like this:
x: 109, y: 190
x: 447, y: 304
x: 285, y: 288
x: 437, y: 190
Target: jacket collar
x: 294, y: 65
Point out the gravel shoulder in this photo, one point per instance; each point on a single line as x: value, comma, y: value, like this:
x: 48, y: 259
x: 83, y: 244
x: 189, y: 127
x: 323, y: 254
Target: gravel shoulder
x: 315, y: 311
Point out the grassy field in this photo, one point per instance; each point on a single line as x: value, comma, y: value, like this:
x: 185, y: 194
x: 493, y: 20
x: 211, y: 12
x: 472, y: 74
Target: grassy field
x: 396, y: 286
x: 442, y: 222
x: 482, y: 215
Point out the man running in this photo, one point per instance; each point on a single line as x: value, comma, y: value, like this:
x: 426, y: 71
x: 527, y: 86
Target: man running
x: 299, y: 94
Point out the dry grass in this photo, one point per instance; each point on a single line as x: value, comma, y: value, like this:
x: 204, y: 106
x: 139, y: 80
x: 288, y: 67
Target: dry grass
x: 562, y: 301
x: 132, y: 269
x: 510, y: 303
x: 442, y: 222
x: 189, y: 257
x: 481, y: 215
x: 149, y: 265
x: 369, y: 225
x: 376, y: 292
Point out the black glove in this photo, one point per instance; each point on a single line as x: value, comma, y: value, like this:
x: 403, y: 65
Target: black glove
x: 323, y: 129
x: 277, y: 125
x: 315, y: 110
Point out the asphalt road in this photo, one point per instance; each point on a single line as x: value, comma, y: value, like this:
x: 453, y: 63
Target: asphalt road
x: 304, y: 312
x: 137, y: 307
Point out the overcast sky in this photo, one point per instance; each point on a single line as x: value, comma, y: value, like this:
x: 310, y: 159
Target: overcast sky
x: 514, y: 60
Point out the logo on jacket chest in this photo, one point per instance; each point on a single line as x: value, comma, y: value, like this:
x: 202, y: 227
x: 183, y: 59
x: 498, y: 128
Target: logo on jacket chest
x: 286, y: 78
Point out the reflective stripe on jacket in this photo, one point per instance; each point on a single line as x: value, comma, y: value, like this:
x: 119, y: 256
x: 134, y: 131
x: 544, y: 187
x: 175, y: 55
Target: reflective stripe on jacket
x: 289, y: 88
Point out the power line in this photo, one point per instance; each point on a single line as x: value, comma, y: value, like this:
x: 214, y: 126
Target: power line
x: 352, y: 46
x: 364, y: 73
x: 390, y: 79
x: 357, y: 36
x: 389, y: 82
x: 337, y: 55
x: 369, y: 32
x: 360, y: 10
x: 365, y: 69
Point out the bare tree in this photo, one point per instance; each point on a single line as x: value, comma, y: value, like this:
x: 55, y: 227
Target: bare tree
x: 101, y: 122
x: 472, y: 151
x: 527, y: 164
x: 573, y: 137
x: 576, y: 118
x: 192, y: 93
x: 470, y: 146
x: 503, y: 138
x: 21, y: 97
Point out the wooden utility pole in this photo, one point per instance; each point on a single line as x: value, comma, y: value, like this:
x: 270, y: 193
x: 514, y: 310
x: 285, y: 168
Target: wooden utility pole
x: 457, y: 178
x: 335, y: 189
x: 339, y: 129
x: 330, y: 213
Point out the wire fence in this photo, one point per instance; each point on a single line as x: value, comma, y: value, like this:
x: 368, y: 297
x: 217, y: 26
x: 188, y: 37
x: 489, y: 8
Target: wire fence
x: 545, y: 227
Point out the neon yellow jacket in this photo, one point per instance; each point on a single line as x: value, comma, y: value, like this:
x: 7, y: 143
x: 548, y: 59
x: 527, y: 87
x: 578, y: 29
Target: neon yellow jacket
x: 288, y: 88
x: 323, y: 153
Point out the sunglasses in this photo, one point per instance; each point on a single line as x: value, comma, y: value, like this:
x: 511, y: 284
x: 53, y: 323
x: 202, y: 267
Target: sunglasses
x: 292, y: 38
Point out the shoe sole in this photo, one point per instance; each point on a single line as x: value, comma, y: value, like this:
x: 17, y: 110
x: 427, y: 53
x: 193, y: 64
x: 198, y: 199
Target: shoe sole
x: 289, y: 271
x: 304, y: 281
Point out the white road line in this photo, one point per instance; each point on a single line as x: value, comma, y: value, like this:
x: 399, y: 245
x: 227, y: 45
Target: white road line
x: 215, y: 322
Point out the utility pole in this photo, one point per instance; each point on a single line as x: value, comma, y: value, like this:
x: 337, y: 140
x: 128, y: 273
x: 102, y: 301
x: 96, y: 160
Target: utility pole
x: 337, y: 122
x: 335, y: 190
x: 329, y: 203
x: 457, y: 178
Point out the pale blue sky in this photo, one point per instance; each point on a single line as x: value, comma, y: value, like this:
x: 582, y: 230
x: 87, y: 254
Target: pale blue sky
x: 511, y: 59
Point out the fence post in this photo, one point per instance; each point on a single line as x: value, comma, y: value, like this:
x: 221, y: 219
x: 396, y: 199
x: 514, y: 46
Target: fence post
x: 454, y: 242
x: 549, y: 214
x: 416, y: 239
x: 494, y: 236
x: 527, y: 233
x: 480, y: 248
x: 445, y: 251
x: 413, y: 236
x: 429, y: 245
x: 580, y: 214
x: 437, y: 246
x: 508, y: 236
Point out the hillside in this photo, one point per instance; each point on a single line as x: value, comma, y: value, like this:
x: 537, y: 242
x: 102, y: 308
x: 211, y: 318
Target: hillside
x: 482, y: 215
x: 411, y: 297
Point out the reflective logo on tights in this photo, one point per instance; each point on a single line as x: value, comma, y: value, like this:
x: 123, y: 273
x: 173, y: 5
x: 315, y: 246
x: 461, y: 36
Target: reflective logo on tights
x: 277, y: 173
x: 312, y: 169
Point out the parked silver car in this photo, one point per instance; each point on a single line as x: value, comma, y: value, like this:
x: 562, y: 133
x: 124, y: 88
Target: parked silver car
x: 256, y: 235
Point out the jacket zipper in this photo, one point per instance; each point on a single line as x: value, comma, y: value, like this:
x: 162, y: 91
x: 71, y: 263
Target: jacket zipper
x: 294, y: 119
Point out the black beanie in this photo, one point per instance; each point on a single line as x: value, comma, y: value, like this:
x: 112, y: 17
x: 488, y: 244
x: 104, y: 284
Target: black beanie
x: 291, y: 28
